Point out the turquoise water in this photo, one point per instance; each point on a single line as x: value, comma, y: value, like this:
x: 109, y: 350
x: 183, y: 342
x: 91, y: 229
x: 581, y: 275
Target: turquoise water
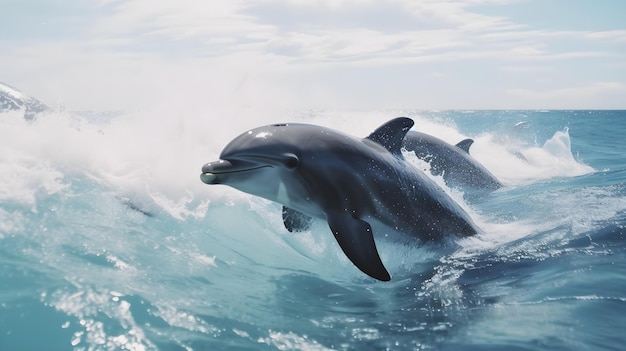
x: 109, y: 241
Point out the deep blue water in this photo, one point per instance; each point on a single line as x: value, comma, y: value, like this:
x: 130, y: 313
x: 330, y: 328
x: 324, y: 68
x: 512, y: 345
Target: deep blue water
x: 109, y: 241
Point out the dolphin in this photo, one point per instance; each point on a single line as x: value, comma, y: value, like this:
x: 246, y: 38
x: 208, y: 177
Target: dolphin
x: 458, y: 168
x: 357, y: 185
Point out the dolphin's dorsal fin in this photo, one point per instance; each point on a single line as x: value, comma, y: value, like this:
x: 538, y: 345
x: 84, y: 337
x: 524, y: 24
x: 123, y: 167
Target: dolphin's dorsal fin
x: 391, y: 134
x: 296, y: 221
x: 356, y: 239
x: 465, y: 144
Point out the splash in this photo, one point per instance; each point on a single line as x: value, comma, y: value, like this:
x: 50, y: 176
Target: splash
x: 518, y: 164
x: 154, y: 166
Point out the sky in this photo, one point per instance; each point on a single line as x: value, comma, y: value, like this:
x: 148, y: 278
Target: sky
x: 322, y: 54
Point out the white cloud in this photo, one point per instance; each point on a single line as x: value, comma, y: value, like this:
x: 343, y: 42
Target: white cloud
x: 224, y: 27
x: 618, y: 36
x: 136, y: 50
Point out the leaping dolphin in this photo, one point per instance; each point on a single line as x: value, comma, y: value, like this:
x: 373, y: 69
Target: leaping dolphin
x: 355, y: 184
x: 453, y: 162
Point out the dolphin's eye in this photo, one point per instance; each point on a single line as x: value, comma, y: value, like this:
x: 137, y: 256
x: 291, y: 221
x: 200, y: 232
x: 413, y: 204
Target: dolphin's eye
x: 291, y: 161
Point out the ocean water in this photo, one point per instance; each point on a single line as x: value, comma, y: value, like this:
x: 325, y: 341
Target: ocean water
x: 109, y: 241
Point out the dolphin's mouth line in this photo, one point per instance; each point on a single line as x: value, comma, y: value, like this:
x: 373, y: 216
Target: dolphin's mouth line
x: 212, y: 176
x: 235, y: 170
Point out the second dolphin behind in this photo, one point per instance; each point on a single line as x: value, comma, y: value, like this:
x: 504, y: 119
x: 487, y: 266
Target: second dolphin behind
x: 453, y: 162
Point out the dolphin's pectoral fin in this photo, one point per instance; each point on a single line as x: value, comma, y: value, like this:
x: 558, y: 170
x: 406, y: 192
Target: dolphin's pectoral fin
x: 296, y: 221
x: 391, y: 134
x: 465, y: 144
x: 356, y: 239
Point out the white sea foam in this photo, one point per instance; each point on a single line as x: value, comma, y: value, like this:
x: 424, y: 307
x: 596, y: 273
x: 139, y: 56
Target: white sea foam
x: 553, y: 159
x: 153, y: 158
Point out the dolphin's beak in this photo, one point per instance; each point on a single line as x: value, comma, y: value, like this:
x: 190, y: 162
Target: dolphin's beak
x: 211, y: 171
x: 208, y: 178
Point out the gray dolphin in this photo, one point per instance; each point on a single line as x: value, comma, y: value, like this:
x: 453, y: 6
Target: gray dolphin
x: 355, y: 184
x: 458, y: 167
